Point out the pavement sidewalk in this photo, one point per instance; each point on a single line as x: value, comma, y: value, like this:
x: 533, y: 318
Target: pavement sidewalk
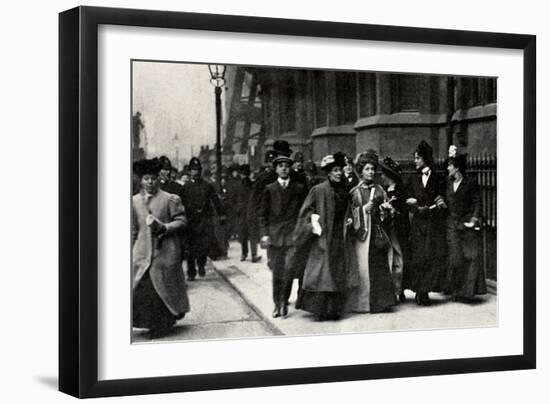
x: 253, y: 282
x: 217, y: 311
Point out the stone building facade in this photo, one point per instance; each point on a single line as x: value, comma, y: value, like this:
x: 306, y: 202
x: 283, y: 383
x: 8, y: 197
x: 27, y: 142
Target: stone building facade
x: 320, y: 112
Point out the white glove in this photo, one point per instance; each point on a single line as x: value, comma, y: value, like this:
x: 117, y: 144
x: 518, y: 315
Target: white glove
x: 316, y: 225
x: 156, y: 226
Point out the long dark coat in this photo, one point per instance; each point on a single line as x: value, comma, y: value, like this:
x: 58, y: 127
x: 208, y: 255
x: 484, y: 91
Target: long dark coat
x: 243, y: 190
x: 232, y: 190
x: 172, y: 188
x: 428, y: 244
x: 402, y: 227
x: 312, y: 251
x: 202, y: 205
x: 465, y: 277
x: 160, y: 257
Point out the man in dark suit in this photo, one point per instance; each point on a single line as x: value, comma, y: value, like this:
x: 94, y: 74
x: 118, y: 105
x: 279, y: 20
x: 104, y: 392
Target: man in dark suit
x: 350, y: 178
x: 246, y: 231
x: 268, y: 176
x: 280, y: 205
x: 232, y: 185
x: 425, y: 199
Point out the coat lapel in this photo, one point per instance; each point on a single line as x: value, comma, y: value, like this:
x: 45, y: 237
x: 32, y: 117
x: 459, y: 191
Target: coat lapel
x: 276, y: 202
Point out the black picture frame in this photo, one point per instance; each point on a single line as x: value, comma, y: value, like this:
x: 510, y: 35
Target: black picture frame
x: 78, y: 177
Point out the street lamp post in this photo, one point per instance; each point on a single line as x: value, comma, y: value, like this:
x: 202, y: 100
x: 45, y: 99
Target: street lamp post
x: 217, y: 79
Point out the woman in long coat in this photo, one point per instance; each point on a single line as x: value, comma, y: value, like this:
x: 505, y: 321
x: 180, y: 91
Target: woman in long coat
x: 321, y: 238
x: 428, y: 246
x: 465, y: 277
x: 159, y: 288
x: 372, y: 215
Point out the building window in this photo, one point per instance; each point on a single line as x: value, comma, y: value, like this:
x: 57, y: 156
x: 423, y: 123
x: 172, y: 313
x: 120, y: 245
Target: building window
x: 367, y: 94
x: 288, y: 106
x: 258, y: 99
x: 320, y: 98
x: 267, y: 107
x: 491, y: 90
x: 346, y: 96
x: 405, y: 90
x: 246, y: 87
x: 478, y: 91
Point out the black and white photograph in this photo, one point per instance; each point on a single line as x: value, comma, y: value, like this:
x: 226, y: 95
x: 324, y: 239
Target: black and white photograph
x: 273, y: 201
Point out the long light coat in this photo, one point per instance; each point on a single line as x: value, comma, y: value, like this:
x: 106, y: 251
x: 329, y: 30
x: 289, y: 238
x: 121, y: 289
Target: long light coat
x: 161, y: 256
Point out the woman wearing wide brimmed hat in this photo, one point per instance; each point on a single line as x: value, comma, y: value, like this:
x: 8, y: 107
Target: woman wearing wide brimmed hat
x: 465, y: 276
x: 372, y: 215
x: 330, y: 267
x: 158, y: 218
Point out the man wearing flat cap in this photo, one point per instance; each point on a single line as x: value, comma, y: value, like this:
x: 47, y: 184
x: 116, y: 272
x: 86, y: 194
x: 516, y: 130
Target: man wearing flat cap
x: 280, y: 204
x: 201, y: 203
x: 158, y: 218
x: 280, y: 147
x: 426, y: 202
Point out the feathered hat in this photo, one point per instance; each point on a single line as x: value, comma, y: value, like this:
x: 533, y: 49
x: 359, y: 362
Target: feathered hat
x: 337, y: 159
x: 391, y: 168
x: 457, y: 160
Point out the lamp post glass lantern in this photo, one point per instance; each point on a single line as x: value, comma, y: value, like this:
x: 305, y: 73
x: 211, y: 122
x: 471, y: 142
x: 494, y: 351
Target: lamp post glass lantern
x: 217, y: 79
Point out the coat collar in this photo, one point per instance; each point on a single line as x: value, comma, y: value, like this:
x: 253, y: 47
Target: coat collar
x: 463, y: 184
x: 287, y: 181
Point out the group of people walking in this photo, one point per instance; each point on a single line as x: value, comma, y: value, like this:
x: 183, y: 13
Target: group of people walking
x: 360, y: 237
x: 355, y: 237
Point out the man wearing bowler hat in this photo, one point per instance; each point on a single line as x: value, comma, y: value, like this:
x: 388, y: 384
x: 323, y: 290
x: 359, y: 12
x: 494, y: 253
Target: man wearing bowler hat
x: 280, y: 204
x: 201, y: 204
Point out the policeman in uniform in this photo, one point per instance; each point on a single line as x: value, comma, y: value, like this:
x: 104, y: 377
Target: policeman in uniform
x: 201, y: 204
